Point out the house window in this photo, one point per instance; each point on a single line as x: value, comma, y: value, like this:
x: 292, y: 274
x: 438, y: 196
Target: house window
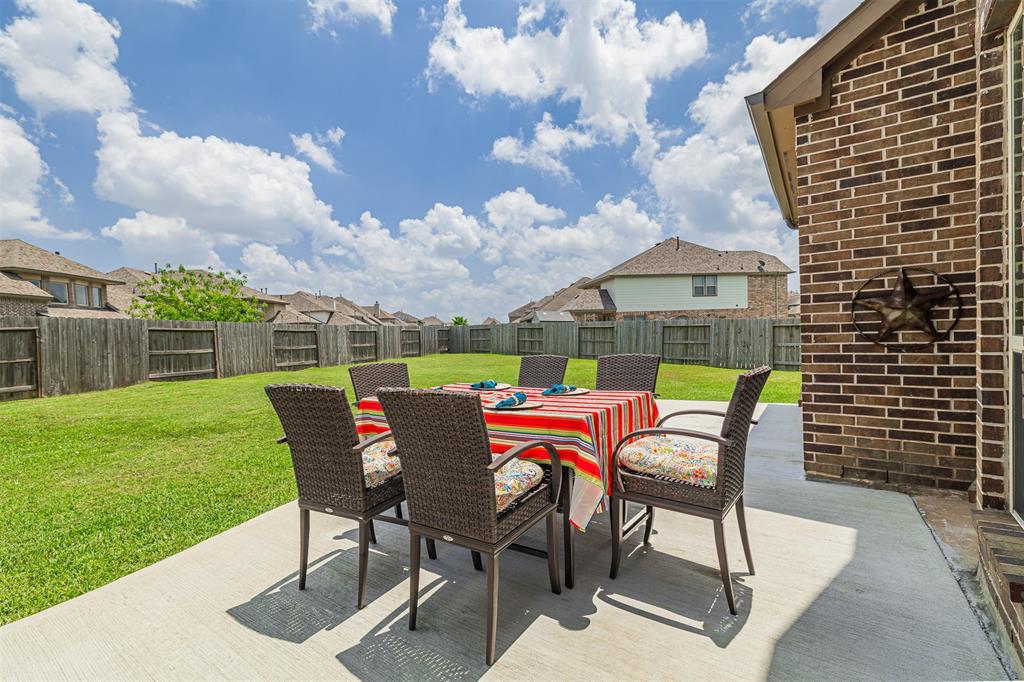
x: 59, y: 291
x: 82, y: 294
x: 705, y: 285
x: 97, y: 298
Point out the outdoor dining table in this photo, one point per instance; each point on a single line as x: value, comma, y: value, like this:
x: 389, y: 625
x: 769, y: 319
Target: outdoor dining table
x: 583, y: 428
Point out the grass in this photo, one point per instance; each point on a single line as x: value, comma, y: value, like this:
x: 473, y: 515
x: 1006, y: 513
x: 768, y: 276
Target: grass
x: 97, y: 485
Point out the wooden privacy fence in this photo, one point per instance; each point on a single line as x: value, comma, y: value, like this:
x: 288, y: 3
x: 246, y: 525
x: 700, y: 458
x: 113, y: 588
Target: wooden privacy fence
x: 739, y: 344
x: 47, y: 356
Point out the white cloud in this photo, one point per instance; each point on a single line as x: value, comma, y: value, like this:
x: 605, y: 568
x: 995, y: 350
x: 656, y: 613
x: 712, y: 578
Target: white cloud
x: 712, y: 186
x: 550, y: 143
x: 315, y: 151
x: 519, y: 209
x: 184, y: 3
x: 324, y: 12
x: 21, y: 174
x: 334, y: 136
x: 231, y: 191
x: 599, y: 55
x: 828, y: 13
x: 148, y: 238
x: 60, y: 56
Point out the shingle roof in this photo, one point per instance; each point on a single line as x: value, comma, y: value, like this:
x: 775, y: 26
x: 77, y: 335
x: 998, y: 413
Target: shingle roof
x: 16, y: 254
x: 552, y: 302
x: 522, y: 311
x: 550, y: 316
x: 406, y: 317
x: 677, y: 257
x: 433, y: 321
x: 591, y: 300
x: 11, y: 287
x: 490, y: 321
x: 102, y: 313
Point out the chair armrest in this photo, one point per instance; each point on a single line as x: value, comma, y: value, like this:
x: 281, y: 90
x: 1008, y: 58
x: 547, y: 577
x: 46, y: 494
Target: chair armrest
x: 363, y: 444
x: 713, y: 413
x: 660, y: 430
x: 282, y: 440
x: 556, y: 462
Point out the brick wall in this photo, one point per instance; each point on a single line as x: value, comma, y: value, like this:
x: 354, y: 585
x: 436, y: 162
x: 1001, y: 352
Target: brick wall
x: 886, y: 178
x: 19, y: 306
x: 766, y: 297
x: 992, y: 272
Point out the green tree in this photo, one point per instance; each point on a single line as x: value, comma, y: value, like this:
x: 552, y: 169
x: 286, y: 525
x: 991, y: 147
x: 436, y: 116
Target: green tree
x: 459, y: 320
x: 201, y: 295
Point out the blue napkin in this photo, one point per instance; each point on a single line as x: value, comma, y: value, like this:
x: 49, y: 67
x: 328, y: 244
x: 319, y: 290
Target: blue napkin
x: 517, y: 398
x: 558, y: 388
x: 490, y: 383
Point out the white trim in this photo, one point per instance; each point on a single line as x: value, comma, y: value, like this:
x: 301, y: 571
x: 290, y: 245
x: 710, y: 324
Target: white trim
x: 1015, y: 343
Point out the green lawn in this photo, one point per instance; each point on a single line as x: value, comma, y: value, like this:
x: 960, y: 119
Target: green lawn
x: 97, y: 485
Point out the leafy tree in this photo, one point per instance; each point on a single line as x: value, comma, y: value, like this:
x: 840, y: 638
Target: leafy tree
x: 459, y: 320
x: 200, y: 295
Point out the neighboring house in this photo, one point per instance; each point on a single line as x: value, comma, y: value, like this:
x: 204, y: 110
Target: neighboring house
x: 676, y: 278
x: 380, y: 314
x: 548, y: 316
x: 406, y: 318
x: 122, y: 295
x: 553, y: 303
x: 303, y: 306
x: 793, y: 304
x: 896, y: 141
x: 37, y: 281
x: 490, y: 321
x: 432, y: 321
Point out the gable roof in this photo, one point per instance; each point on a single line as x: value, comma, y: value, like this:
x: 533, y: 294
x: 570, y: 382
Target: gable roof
x: 490, y: 321
x: 406, y: 317
x: 591, y: 300
x: 677, y: 257
x: 550, y: 316
x: 12, y: 287
x: 805, y: 87
x: 16, y: 254
x: 434, y: 321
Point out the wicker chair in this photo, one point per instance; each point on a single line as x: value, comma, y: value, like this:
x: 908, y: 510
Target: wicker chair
x: 450, y: 486
x: 366, y: 379
x: 669, y: 492
x: 628, y: 372
x: 541, y: 371
x: 327, y: 459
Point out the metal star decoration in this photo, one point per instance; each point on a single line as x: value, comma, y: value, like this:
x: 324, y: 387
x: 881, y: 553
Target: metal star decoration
x: 906, y: 308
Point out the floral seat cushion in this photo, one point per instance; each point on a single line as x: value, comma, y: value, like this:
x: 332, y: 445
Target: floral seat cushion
x: 681, y: 459
x: 515, y: 479
x: 380, y: 463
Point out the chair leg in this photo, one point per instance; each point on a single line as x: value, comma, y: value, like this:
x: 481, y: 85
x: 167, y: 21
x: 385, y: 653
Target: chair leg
x: 556, y: 583
x: 723, y: 565
x: 741, y: 517
x: 414, y: 578
x: 373, y: 532
x: 478, y: 563
x: 365, y: 531
x: 649, y: 526
x: 492, y: 607
x: 303, y: 546
x: 616, y: 510
x: 431, y: 549
x: 398, y: 510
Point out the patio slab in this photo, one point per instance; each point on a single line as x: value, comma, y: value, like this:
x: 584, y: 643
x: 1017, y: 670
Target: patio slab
x: 850, y: 584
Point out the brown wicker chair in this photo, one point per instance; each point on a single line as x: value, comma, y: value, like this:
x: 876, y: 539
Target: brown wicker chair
x: 541, y: 371
x: 327, y: 459
x: 628, y: 372
x: 675, y: 495
x: 366, y: 379
x: 449, y: 477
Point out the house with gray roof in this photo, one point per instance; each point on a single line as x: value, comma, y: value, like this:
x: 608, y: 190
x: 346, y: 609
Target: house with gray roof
x: 34, y: 281
x: 676, y: 278
x: 551, y: 304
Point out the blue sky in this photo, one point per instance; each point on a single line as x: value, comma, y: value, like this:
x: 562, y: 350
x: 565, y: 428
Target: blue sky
x: 440, y: 158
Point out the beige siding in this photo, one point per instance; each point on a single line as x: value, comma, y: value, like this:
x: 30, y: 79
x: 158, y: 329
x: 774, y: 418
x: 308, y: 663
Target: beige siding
x: 675, y: 292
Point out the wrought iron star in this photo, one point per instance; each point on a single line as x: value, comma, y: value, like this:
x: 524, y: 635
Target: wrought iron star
x: 906, y: 308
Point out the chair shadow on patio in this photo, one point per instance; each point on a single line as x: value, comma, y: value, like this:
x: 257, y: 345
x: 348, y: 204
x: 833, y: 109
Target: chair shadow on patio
x: 448, y: 642
x: 284, y: 612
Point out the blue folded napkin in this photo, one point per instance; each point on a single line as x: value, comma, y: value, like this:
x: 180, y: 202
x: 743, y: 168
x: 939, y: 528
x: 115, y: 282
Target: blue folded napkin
x: 490, y: 383
x: 517, y: 398
x: 558, y: 388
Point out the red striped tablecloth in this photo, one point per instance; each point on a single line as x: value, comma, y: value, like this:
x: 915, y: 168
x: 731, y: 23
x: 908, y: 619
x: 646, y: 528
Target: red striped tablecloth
x: 583, y: 428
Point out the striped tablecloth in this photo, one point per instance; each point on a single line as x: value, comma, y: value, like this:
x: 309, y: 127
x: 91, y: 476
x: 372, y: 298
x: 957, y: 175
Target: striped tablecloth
x: 583, y: 428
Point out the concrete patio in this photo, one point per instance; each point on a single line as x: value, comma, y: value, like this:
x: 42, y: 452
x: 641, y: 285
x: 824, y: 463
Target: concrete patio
x: 850, y: 584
